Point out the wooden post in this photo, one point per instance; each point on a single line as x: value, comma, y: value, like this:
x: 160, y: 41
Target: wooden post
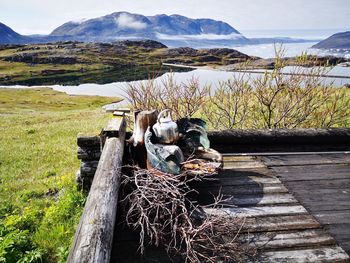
x: 94, y: 235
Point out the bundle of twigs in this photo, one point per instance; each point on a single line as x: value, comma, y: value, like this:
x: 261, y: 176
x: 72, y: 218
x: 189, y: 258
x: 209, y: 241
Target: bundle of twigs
x: 157, y: 205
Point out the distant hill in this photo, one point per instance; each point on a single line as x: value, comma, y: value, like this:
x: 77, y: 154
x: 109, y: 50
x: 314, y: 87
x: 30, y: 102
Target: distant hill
x: 336, y: 41
x: 8, y: 36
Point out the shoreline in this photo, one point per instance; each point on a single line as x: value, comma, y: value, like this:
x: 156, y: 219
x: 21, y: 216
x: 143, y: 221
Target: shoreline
x: 257, y: 71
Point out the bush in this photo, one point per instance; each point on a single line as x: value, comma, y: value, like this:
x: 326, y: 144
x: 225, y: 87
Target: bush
x: 301, y: 98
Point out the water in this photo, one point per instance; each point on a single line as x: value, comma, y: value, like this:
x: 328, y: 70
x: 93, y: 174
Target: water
x: 309, y: 34
x: 205, y: 77
x: 212, y: 77
x: 292, y: 49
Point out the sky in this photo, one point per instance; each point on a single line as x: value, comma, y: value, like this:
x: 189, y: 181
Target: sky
x: 41, y: 17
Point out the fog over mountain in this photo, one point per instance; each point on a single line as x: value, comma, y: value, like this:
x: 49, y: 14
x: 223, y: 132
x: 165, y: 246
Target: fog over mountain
x: 173, y: 30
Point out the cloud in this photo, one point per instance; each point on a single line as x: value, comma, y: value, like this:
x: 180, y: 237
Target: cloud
x: 199, y: 37
x: 127, y: 21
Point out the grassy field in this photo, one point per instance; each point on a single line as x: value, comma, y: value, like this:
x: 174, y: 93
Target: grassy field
x: 39, y: 203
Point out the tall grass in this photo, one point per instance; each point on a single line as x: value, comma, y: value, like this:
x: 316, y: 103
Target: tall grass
x: 39, y: 203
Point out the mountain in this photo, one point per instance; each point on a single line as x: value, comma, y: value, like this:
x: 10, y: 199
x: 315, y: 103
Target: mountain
x: 8, y: 36
x: 173, y: 29
x: 336, y: 41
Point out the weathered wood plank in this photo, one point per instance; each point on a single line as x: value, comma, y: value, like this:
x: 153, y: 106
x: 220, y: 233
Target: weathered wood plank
x: 294, y: 160
x: 89, y: 153
x: 333, y: 217
x: 280, y: 136
x: 230, y: 158
x: 242, y: 165
x: 94, y: 235
x: 326, y: 184
x: 257, y: 211
x: 241, y: 180
x: 304, y: 176
x: 114, y: 127
x: 249, y: 189
x: 275, y: 223
x: 88, y: 140
x: 313, y: 168
x: 251, y: 200
x: 286, y: 240
x: 259, y: 172
x: 327, y: 254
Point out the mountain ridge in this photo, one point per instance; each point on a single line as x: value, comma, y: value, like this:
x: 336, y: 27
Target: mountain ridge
x: 172, y: 30
x: 339, y: 40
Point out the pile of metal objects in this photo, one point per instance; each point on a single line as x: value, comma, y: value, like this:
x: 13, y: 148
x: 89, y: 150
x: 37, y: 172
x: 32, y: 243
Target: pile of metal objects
x: 174, y: 147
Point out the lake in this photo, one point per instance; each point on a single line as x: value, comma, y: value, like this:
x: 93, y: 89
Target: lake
x: 205, y: 77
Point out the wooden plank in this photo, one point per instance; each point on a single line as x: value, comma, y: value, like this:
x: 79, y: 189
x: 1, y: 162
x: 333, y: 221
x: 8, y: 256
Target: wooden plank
x: 251, y: 200
x: 329, y: 206
x: 294, y: 160
x: 94, y: 235
x: 304, y: 177
x: 281, y: 222
x: 114, y: 126
x: 115, y: 107
x: 119, y: 113
x: 257, y: 211
x: 285, y: 240
x: 333, y: 217
x: 249, y: 189
x: 259, y: 172
x: 313, y: 168
x: 329, y: 184
x: 89, y: 153
x: 239, y: 180
x: 88, y: 140
x: 342, y: 231
x: 240, y: 165
x: 324, y: 195
x: 230, y: 158
x: 331, y: 254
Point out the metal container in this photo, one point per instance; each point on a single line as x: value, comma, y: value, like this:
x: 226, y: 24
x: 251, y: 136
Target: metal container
x: 166, y: 129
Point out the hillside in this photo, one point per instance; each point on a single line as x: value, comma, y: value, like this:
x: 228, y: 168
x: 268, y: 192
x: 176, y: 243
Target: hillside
x: 8, y: 36
x: 336, y: 41
x: 76, y: 62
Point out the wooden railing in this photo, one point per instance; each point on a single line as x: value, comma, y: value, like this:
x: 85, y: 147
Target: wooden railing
x: 94, y: 235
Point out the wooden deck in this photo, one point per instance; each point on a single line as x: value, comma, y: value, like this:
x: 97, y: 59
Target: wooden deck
x: 321, y: 183
x: 282, y: 208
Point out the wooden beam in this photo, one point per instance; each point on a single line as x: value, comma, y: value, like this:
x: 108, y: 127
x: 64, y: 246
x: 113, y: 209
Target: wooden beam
x: 94, y: 235
x: 114, y: 127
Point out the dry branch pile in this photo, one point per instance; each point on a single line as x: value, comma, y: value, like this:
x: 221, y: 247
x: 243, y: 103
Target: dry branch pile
x: 158, y: 206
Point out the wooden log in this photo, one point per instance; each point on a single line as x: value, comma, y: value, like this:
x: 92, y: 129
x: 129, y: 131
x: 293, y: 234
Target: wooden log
x: 267, y: 140
x: 86, y: 140
x: 94, y: 235
x: 89, y: 153
x: 114, y: 127
x: 278, y: 136
x: 143, y: 119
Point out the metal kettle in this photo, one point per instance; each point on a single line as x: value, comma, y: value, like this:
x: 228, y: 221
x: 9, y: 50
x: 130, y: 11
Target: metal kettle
x: 166, y: 129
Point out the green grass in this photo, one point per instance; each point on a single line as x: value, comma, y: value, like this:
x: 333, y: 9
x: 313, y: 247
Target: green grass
x: 40, y: 205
